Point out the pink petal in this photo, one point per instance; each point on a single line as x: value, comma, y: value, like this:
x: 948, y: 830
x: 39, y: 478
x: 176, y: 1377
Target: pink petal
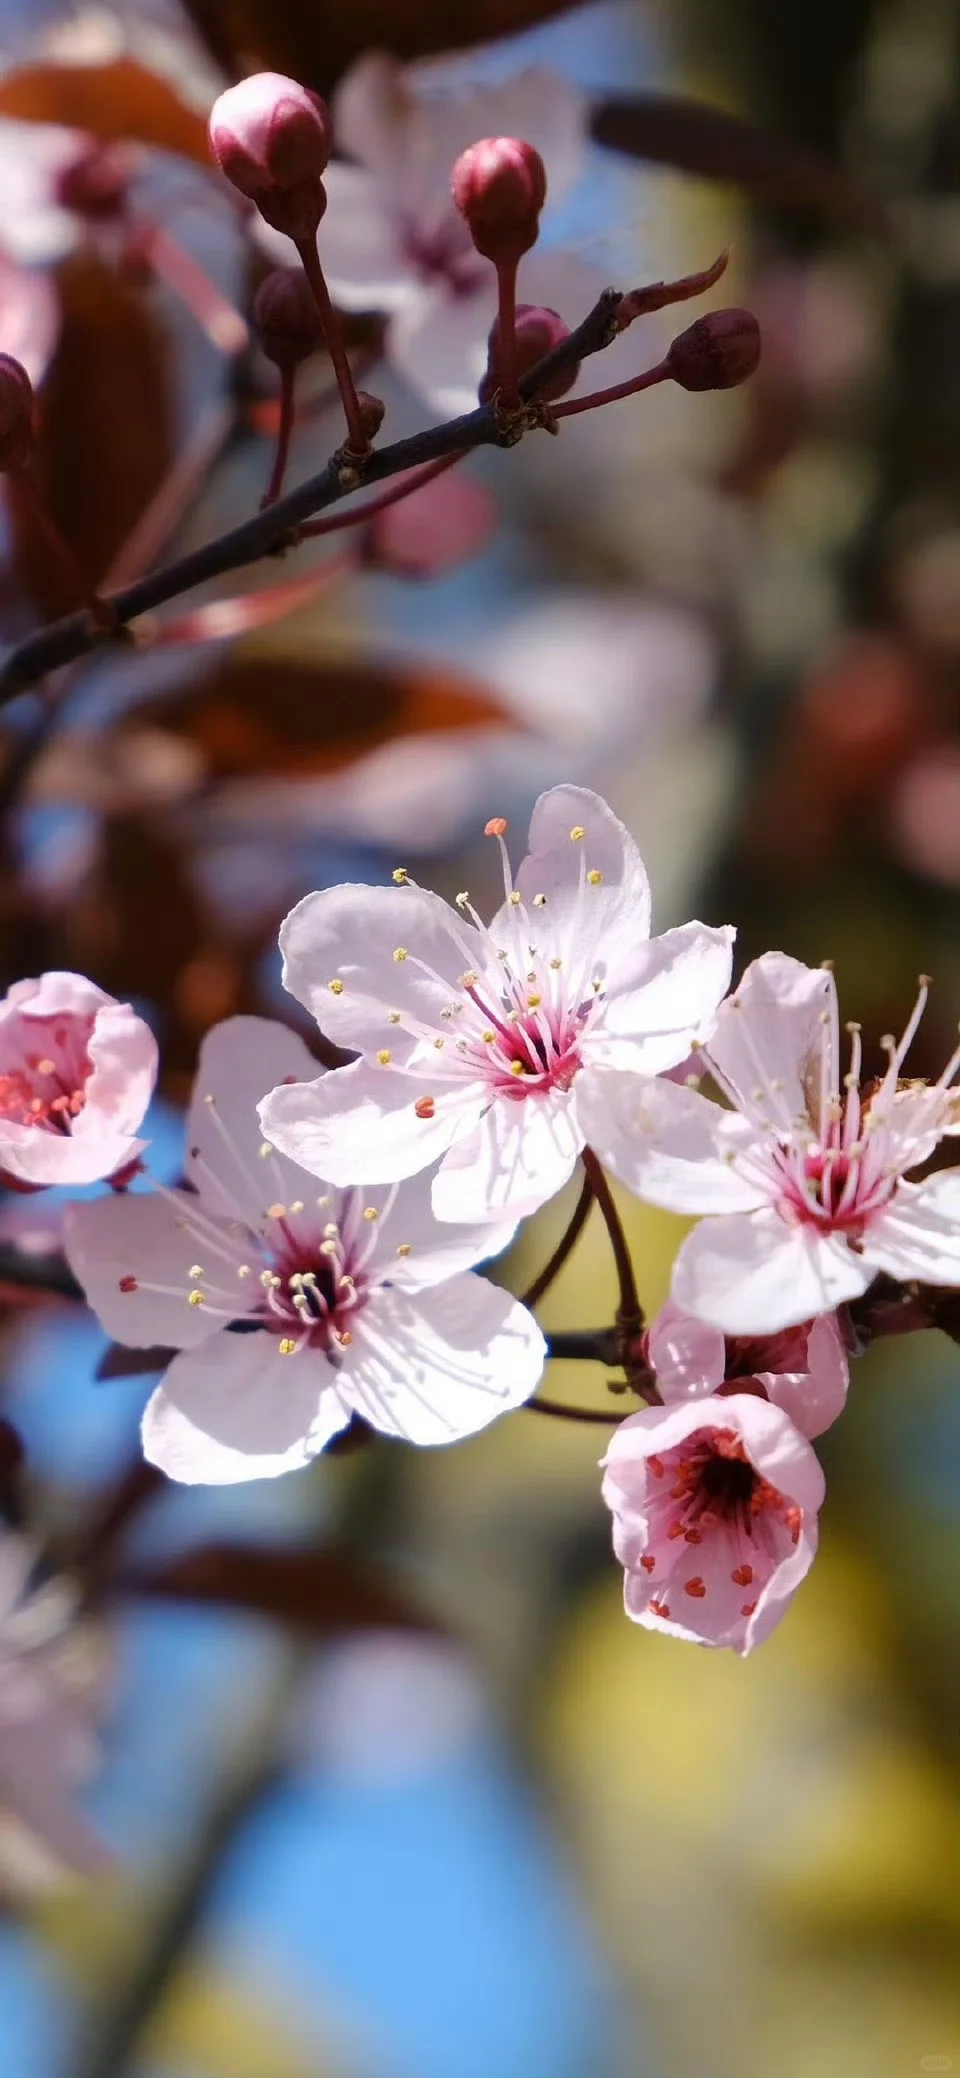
x: 555, y: 861
x: 917, y: 1235
x: 752, y: 1273
x: 350, y: 935
x: 441, y: 1364
x: 669, y: 1145
x: 119, y: 1247
x: 663, y: 996
x: 439, y: 344
x: 687, y: 1356
x: 363, y: 256
x: 434, y: 1249
x: 238, y: 1410
x: 816, y: 1396
x: 240, y: 1060
x: 520, y: 1153
x: 770, y: 1032
x: 361, y: 1124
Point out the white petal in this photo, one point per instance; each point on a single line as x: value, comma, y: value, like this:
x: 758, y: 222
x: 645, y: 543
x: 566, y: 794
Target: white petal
x: 439, y: 345
x: 668, y: 1144
x: 816, y: 1397
x: 663, y: 997
x: 239, y: 1061
x: 360, y: 248
x: 433, y: 1249
x: 351, y: 934
x: 555, y: 861
x: 688, y: 1356
x: 236, y: 1409
x: 112, y: 1239
x: 371, y: 109
x: 918, y: 1233
x: 752, y: 1273
x: 772, y: 1032
x: 360, y: 1124
x: 438, y: 1365
x: 520, y: 1154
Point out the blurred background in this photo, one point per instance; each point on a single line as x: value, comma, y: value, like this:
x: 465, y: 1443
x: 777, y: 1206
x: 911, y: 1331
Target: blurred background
x: 394, y: 1789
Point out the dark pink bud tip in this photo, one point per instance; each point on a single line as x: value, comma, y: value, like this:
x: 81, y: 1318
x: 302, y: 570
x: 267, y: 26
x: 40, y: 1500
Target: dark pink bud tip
x: 539, y: 330
x: 270, y: 137
x: 499, y: 187
x: 16, y: 414
x: 718, y: 352
x: 287, y: 318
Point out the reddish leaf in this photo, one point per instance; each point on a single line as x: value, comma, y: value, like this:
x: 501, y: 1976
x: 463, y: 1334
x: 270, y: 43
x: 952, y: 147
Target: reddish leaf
x: 321, y: 1592
x: 319, y: 42
x: 105, y: 443
x: 266, y: 719
x: 120, y: 99
x: 668, y: 130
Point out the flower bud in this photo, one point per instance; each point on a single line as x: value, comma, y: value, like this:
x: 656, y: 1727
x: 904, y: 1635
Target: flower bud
x: 16, y: 414
x: 270, y: 137
x: 499, y: 187
x: 287, y: 319
x: 371, y: 411
x: 95, y: 184
x: 539, y: 330
x: 718, y: 352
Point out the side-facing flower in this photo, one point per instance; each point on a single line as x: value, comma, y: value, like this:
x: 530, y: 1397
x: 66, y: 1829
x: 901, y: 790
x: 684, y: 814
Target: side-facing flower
x: 803, y: 1370
x: 294, y: 1307
x: 46, y: 1738
x: 477, y: 1040
x: 77, y: 1071
x: 714, y: 1505
x: 805, y: 1176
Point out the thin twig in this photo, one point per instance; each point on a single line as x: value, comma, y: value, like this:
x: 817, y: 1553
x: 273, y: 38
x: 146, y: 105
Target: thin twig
x: 566, y: 1243
x: 610, y: 1416
x: 629, y: 1312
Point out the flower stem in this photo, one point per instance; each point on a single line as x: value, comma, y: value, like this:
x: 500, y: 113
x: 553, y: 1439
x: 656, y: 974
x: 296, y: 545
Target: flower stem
x: 284, y: 431
x: 507, y: 335
x: 661, y: 373
x: 392, y: 496
x: 629, y: 1311
x: 564, y: 1246
x: 561, y: 1412
x: 310, y: 261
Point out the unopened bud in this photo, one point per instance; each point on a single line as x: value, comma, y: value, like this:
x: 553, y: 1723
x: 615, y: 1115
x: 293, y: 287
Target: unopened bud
x: 718, y: 352
x: 16, y: 414
x: 270, y: 137
x: 499, y: 187
x: 286, y: 317
x: 371, y: 411
x: 539, y: 330
x: 95, y: 184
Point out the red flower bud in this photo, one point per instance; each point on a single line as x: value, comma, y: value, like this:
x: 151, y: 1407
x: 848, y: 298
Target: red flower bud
x: 16, y: 414
x: 270, y: 137
x: 499, y: 187
x: 718, y: 352
x: 286, y: 317
x: 539, y: 330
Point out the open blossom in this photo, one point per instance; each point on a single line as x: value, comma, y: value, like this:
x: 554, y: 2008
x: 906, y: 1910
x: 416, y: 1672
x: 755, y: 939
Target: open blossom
x: 714, y: 1505
x: 478, y: 1040
x: 392, y: 238
x: 46, y: 1741
x: 77, y: 1071
x: 805, y: 1177
x: 294, y: 1308
x: 802, y: 1370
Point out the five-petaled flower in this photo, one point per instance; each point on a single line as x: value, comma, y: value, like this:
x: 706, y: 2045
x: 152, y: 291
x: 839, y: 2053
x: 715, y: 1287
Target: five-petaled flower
x: 77, y: 1071
x: 478, y: 1041
x: 46, y: 1739
x: 714, y: 1505
x: 294, y: 1308
x: 806, y: 1173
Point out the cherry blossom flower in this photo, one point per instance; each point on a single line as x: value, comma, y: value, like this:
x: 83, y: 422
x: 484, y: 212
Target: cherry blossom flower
x: 803, y: 1370
x: 392, y: 239
x: 476, y: 1039
x: 806, y: 1173
x: 294, y: 1309
x: 77, y: 1071
x: 714, y: 1504
x: 46, y: 1741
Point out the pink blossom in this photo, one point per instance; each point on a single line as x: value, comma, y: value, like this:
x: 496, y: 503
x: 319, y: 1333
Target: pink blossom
x: 499, y: 186
x: 805, y: 1176
x: 77, y: 1071
x: 714, y: 1503
x: 392, y: 238
x: 293, y: 1308
x: 802, y: 1370
x: 46, y: 1743
x: 476, y: 1039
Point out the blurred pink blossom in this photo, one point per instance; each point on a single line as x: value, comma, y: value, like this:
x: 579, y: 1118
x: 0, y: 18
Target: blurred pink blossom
x: 46, y: 1741
x: 714, y: 1505
x: 77, y: 1071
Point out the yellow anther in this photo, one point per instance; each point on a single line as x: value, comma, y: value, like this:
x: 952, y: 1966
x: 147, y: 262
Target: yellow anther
x: 534, y: 1002
x: 400, y: 874
x: 555, y: 964
x: 276, y: 1212
x: 595, y: 876
x: 264, y: 1150
x: 46, y: 1067
x: 403, y: 1248
x: 488, y: 1038
x: 539, y: 901
x: 440, y: 1041
x: 266, y: 1279
x: 370, y: 1212
x: 243, y: 1270
x: 469, y: 979
x: 197, y: 1270
x: 384, y: 1056
x: 331, y: 1230
x: 297, y: 1205
x: 323, y: 1200
x: 578, y: 833
x: 517, y: 1068
x: 393, y: 1017
x: 513, y: 898
x: 400, y: 953
x: 286, y: 1345
x: 335, y: 986
x: 462, y: 900
x: 195, y: 1298
x: 210, y: 1098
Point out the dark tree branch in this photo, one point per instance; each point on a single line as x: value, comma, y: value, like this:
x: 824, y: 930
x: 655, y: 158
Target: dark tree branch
x: 275, y: 529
